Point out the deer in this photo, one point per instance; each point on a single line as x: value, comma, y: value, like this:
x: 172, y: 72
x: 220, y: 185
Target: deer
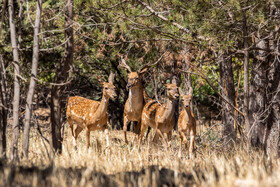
x: 186, y: 122
x: 161, y: 117
x: 89, y: 114
x: 136, y: 97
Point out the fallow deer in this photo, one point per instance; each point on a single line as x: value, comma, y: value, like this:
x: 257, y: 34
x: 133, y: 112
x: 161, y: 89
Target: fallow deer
x: 187, y: 122
x: 89, y: 114
x: 160, y: 116
x: 136, y: 98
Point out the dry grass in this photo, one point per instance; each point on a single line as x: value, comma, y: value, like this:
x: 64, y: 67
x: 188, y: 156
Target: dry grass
x: 152, y: 165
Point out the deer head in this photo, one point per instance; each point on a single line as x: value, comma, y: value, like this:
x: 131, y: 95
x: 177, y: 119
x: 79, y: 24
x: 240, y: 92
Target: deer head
x: 172, y: 90
x: 134, y: 78
x: 186, y: 98
x: 108, y: 87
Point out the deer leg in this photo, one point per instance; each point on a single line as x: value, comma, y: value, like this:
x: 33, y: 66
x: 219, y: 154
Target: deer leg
x: 185, y: 140
x: 169, y: 135
x: 147, y: 134
x: 70, y: 122
x: 77, y: 132
x: 161, y: 135
x: 143, y: 128
x: 107, y: 137
x: 137, y: 127
x: 87, y: 137
x: 125, y: 122
x: 191, y: 148
x: 156, y: 136
x: 180, y: 149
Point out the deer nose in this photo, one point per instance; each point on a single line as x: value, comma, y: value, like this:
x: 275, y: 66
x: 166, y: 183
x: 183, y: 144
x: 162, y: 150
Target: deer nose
x: 129, y: 85
x: 176, y: 96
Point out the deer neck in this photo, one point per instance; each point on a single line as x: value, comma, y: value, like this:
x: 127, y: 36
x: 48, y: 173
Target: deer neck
x: 170, y: 109
x: 188, y: 113
x: 102, y: 108
x: 135, y: 95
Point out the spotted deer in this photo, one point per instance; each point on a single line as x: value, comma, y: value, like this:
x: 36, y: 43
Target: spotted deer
x: 160, y: 116
x: 89, y: 114
x: 187, y: 122
x: 136, y: 98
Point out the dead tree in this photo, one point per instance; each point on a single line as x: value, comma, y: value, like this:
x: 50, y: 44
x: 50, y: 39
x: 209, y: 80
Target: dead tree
x: 35, y: 59
x: 61, y: 76
x: 3, y: 109
x: 16, y: 99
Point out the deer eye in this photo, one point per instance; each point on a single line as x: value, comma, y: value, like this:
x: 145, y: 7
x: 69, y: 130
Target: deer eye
x: 106, y: 88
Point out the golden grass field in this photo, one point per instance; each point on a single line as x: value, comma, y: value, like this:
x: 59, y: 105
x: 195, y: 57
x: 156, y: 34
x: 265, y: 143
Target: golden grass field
x: 152, y: 165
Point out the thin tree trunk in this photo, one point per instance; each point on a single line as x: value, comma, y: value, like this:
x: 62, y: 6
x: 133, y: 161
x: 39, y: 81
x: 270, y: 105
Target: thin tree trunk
x: 35, y: 60
x: 16, y: 99
x: 187, y: 76
x: 3, y: 110
x: 61, y: 75
x: 227, y: 85
x: 246, y: 75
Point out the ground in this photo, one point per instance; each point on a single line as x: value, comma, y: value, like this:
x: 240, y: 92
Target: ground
x: 126, y: 165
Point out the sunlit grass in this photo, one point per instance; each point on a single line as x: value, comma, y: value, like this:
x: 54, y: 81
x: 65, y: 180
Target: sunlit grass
x: 213, y: 165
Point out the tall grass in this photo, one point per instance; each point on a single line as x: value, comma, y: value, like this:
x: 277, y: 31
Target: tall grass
x: 150, y: 165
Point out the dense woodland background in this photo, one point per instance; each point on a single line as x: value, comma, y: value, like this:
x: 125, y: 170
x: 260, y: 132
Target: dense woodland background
x: 228, y: 51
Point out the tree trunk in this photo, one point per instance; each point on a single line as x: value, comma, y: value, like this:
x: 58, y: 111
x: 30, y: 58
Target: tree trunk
x: 272, y: 141
x: 3, y: 110
x: 61, y: 76
x: 228, y: 91
x: 246, y: 75
x: 16, y: 99
x: 258, y: 101
x: 35, y: 59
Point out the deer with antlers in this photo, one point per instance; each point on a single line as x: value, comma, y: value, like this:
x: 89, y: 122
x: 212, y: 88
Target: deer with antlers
x: 187, y: 122
x: 89, y: 114
x: 136, y: 97
x: 160, y: 116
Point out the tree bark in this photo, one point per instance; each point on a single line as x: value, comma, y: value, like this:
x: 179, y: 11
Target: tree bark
x: 61, y: 76
x: 228, y: 91
x: 16, y: 99
x: 3, y: 110
x: 272, y: 141
x: 35, y: 60
x: 246, y: 74
x: 258, y: 101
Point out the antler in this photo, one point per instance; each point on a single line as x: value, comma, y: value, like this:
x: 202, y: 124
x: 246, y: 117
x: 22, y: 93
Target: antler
x: 124, y: 65
x: 111, y: 77
x: 190, y: 91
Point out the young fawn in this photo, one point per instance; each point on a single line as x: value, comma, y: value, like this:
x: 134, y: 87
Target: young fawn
x: 187, y: 122
x: 160, y: 116
x: 135, y: 102
x: 89, y: 114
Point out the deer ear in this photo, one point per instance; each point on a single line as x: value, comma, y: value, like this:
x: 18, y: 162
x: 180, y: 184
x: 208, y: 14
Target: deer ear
x: 111, y: 77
